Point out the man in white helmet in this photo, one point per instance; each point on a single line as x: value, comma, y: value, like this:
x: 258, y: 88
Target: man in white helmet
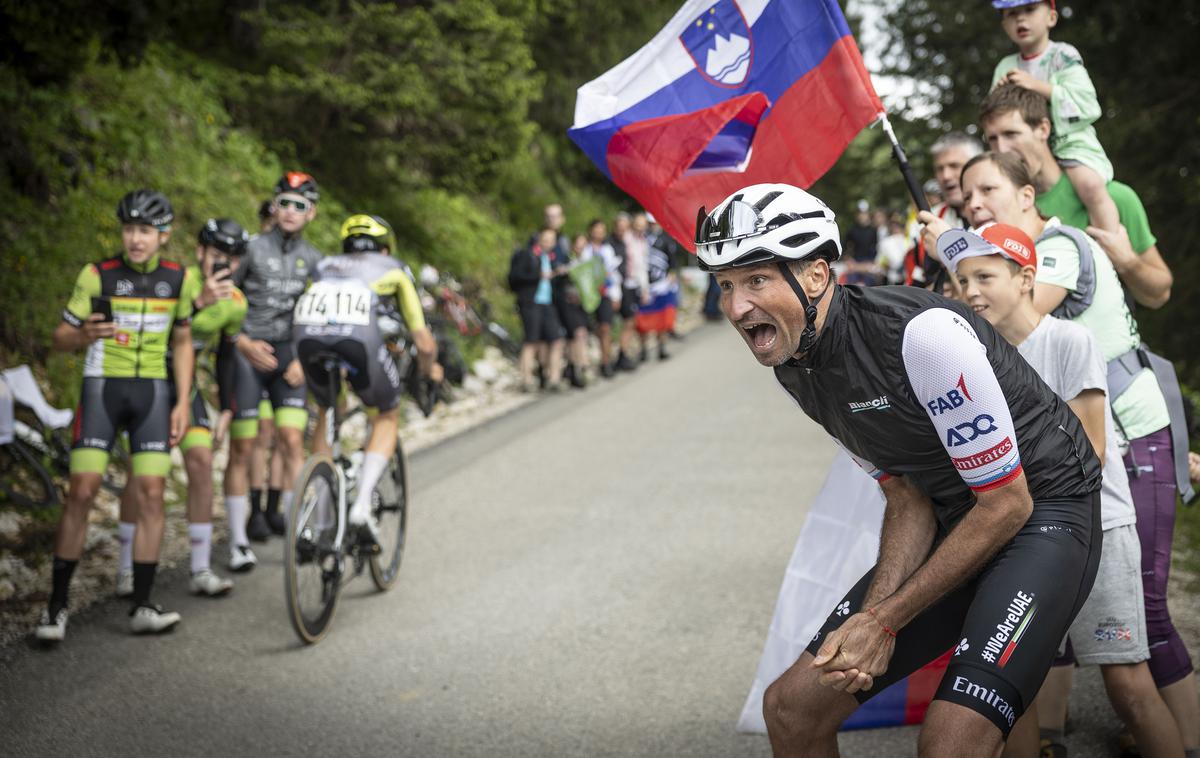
x: 991, y: 535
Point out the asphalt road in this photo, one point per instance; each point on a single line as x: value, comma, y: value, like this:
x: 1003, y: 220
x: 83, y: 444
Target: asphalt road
x: 592, y: 575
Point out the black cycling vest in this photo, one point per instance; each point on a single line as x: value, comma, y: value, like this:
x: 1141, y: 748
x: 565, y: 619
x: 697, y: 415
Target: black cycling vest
x: 857, y: 360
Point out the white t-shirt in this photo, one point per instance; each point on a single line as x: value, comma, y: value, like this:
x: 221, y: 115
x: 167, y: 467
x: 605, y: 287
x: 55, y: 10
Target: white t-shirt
x: 1068, y: 358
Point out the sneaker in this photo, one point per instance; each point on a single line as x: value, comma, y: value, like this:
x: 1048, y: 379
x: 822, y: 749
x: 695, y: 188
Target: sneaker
x: 277, y: 523
x: 579, y: 380
x: 52, y: 631
x: 207, y: 583
x: 642, y: 355
x: 257, y: 528
x: 241, y: 558
x: 151, y: 619
x: 662, y: 353
x: 625, y: 364
x: 607, y: 371
x: 125, y: 583
x: 568, y: 374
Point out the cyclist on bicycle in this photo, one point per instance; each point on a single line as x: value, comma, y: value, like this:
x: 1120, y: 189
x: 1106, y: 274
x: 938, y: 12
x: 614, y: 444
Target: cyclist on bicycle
x: 217, y: 312
x: 340, y: 313
x: 125, y: 310
x: 991, y: 534
x: 276, y: 268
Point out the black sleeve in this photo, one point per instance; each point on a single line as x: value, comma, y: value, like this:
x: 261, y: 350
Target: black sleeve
x: 523, y: 270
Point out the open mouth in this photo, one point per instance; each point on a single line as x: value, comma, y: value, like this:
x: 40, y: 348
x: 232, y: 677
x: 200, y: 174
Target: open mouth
x: 978, y: 307
x: 761, y: 335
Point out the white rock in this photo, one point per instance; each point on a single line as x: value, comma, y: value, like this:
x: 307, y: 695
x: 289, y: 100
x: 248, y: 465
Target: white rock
x: 11, y: 524
x: 7, y: 590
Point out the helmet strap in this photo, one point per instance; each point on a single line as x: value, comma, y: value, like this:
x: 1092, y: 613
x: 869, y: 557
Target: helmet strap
x: 809, y: 334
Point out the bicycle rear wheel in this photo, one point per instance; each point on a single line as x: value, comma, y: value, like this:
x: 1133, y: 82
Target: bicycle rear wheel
x: 24, y: 481
x: 312, y: 562
x: 390, y: 502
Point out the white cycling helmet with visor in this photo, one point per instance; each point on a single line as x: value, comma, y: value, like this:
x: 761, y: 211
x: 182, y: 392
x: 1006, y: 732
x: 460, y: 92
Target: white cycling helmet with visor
x: 770, y: 223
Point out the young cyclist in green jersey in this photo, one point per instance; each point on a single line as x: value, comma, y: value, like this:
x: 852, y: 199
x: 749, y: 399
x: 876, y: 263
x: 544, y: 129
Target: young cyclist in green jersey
x: 125, y: 311
x: 219, y: 309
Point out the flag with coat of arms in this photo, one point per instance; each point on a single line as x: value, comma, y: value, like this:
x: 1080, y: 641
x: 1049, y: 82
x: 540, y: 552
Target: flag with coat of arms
x: 728, y: 93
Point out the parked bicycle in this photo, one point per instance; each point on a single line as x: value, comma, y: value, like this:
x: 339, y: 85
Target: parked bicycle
x: 35, y: 448
x: 322, y: 554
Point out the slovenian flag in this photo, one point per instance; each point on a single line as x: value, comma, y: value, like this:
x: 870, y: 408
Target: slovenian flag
x: 729, y: 93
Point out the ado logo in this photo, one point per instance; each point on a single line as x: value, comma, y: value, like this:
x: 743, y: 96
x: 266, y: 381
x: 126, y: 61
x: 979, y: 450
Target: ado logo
x: 971, y: 430
x: 951, y: 400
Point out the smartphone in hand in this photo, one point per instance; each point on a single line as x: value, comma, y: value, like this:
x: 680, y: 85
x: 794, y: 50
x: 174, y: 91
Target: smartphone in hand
x: 103, y: 306
x: 218, y: 267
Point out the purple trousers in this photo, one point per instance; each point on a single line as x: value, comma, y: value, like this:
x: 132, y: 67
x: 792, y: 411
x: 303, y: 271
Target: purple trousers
x: 1151, y: 466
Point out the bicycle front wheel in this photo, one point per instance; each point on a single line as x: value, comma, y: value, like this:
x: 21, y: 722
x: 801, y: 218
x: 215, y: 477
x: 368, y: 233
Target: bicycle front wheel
x: 312, y: 559
x: 390, y: 502
x: 24, y: 481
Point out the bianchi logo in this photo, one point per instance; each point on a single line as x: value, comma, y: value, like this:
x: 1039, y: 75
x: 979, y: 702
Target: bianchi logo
x: 989, y: 696
x: 1000, y: 646
x: 880, y: 403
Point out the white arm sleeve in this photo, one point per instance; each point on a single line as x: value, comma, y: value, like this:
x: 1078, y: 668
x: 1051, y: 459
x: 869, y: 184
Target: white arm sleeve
x: 949, y: 371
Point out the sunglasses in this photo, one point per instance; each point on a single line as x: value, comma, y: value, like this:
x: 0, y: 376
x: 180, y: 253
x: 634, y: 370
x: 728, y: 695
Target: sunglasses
x: 300, y: 206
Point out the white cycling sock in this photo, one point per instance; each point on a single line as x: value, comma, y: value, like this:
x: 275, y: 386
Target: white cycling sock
x: 237, y: 508
x: 200, y: 535
x: 373, y: 466
x: 125, y: 532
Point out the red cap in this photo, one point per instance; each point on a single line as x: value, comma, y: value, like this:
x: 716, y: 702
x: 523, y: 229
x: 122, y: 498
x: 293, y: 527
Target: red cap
x: 990, y: 239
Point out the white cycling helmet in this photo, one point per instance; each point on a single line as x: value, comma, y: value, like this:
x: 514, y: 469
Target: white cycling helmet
x: 763, y: 223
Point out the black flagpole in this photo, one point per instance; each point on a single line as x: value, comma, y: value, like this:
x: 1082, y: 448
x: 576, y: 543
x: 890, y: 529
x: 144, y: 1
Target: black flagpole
x: 914, y: 188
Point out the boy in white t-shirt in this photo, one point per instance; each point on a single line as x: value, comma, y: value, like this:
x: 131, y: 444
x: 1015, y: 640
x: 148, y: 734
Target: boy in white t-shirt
x: 1055, y: 71
x: 996, y: 268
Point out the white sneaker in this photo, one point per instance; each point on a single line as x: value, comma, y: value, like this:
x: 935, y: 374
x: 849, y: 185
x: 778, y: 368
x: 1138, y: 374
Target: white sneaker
x: 52, y: 631
x: 207, y: 583
x: 125, y: 583
x: 241, y: 558
x: 151, y: 619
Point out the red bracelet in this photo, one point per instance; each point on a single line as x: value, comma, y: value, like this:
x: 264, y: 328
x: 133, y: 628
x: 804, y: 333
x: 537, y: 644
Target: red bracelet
x: 881, y: 624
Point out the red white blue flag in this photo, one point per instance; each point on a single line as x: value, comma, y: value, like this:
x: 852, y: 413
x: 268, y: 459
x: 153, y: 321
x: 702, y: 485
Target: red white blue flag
x: 729, y: 93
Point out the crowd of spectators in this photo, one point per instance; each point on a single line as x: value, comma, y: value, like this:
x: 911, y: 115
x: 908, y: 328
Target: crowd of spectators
x: 619, y: 282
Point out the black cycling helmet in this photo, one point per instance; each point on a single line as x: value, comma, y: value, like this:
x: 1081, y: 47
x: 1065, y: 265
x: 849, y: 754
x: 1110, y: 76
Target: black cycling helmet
x: 145, y: 206
x: 366, y: 234
x: 224, y: 234
x: 300, y: 183
x: 266, y: 210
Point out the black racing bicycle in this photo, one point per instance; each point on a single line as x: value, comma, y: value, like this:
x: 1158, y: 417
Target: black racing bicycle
x: 322, y: 552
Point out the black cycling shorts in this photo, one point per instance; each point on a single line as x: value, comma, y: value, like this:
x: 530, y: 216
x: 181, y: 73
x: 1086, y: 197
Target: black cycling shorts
x: 198, y: 413
x: 371, y: 369
x: 1006, y: 624
x: 250, y: 385
x: 141, y: 407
